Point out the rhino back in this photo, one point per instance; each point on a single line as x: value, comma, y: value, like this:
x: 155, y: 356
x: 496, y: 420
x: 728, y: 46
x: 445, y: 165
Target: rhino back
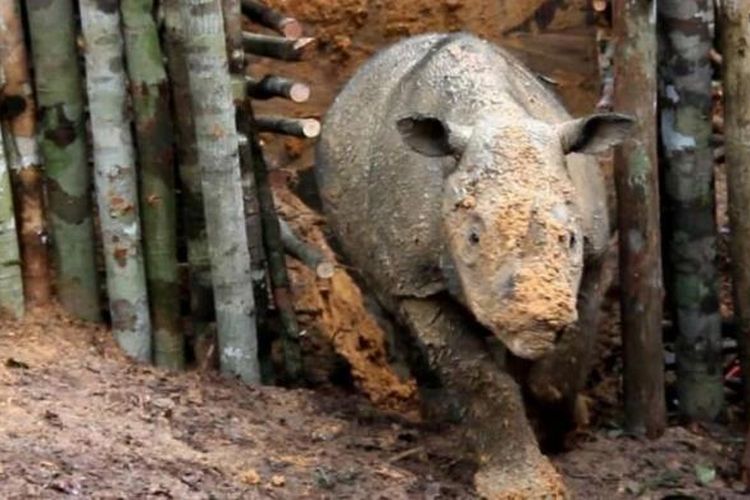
x: 384, y: 200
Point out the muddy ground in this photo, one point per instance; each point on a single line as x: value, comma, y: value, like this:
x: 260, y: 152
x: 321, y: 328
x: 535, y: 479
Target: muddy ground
x: 79, y: 420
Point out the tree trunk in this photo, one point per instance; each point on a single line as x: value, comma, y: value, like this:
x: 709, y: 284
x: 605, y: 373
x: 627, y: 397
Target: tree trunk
x: 63, y: 147
x: 686, y: 105
x: 201, y: 293
x: 638, y: 219
x: 23, y: 158
x: 735, y: 30
x: 216, y: 133
x: 11, y: 284
x: 154, y: 137
x: 115, y: 178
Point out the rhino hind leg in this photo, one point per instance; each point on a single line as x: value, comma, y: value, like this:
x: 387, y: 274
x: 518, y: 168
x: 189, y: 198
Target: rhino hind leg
x: 555, y: 381
x: 493, y: 418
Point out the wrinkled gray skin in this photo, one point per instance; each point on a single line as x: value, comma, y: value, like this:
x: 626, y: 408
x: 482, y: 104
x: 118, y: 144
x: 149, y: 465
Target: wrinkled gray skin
x: 453, y: 181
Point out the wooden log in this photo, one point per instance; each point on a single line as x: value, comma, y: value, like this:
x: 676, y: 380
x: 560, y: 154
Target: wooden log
x: 307, y: 128
x: 638, y: 219
x: 276, y: 47
x: 116, y: 178
x: 202, y: 314
x: 271, y: 19
x: 308, y: 255
x: 735, y: 32
x: 23, y: 157
x: 691, y: 236
x: 274, y: 251
x: 218, y: 155
x: 271, y: 86
x: 11, y: 284
x: 62, y: 137
x: 154, y: 134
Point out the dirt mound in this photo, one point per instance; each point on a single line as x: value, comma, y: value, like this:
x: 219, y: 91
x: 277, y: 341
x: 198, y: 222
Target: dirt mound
x: 76, y: 418
x: 336, y: 310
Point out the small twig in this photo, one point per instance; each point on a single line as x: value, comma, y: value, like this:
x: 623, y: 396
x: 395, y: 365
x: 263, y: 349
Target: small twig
x: 406, y: 454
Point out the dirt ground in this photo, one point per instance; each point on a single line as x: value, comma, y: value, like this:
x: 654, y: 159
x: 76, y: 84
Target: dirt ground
x: 77, y: 419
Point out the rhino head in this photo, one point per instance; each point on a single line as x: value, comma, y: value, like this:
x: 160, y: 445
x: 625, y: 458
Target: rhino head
x: 510, y: 218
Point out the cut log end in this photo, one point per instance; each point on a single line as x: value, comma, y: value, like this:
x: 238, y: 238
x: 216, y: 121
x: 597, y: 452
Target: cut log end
x: 299, y: 92
x: 310, y: 128
x: 291, y: 28
x: 307, y: 128
x: 325, y: 270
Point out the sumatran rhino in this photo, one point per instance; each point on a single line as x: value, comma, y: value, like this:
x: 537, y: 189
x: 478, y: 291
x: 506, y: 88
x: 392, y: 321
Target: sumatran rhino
x: 453, y: 180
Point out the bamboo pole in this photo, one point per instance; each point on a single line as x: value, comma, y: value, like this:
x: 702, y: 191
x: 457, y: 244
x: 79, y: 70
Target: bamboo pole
x: 11, y: 283
x: 213, y: 110
x: 155, y: 138
x: 274, y: 251
x: 63, y: 146
x: 735, y: 33
x: 638, y: 218
x: 23, y: 158
x: 115, y: 178
x: 202, y: 313
x: 692, y: 274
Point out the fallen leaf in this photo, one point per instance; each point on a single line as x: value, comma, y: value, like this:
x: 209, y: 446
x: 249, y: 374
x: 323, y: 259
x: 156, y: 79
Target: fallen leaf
x: 278, y: 480
x: 251, y: 477
x: 705, y: 474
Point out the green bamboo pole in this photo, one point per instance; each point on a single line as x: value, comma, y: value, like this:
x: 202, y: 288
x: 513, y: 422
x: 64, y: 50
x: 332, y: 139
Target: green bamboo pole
x: 23, y: 158
x: 11, y: 284
x: 62, y: 142
x: 202, y: 312
x: 155, y: 138
x: 686, y: 104
x: 115, y: 178
x: 213, y: 111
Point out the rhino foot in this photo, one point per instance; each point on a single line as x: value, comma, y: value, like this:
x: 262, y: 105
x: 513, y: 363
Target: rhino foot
x: 492, y: 410
x: 532, y: 481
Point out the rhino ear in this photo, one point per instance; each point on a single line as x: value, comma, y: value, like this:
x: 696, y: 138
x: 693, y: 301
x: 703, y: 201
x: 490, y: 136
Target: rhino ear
x: 432, y: 136
x: 595, y: 133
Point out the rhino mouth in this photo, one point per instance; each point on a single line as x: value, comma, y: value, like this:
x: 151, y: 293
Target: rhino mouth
x: 532, y: 343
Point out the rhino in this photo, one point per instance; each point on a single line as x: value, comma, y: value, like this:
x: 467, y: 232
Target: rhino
x: 471, y: 203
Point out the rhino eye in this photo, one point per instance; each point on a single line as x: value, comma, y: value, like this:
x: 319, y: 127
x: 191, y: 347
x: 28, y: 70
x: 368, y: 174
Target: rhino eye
x: 473, y: 237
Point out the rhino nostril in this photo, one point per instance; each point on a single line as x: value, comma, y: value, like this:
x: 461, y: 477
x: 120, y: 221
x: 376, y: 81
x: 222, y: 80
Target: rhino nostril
x: 570, y: 239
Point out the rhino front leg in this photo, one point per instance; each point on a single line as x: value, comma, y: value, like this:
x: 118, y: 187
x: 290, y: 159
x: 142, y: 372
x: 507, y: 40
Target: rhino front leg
x: 556, y: 380
x: 510, y: 462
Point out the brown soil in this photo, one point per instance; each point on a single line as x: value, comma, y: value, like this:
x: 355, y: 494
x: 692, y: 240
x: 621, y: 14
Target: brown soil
x: 77, y: 419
